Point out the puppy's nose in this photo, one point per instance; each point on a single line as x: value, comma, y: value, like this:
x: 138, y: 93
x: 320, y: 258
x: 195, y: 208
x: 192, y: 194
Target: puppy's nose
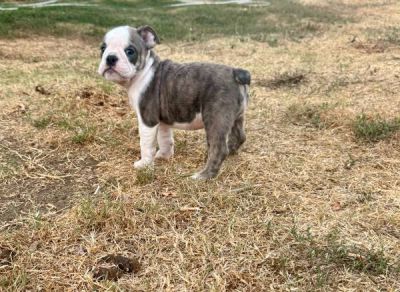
x: 111, y: 60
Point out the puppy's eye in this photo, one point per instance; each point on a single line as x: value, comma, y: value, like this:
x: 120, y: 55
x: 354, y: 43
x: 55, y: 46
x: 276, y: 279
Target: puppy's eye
x: 103, y: 48
x: 130, y: 52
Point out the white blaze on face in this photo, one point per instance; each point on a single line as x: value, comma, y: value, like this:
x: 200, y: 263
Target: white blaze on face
x: 117, y: 40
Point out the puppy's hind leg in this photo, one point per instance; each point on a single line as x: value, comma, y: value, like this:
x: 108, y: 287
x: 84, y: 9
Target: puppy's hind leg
x: 217, y: 135
x: 237, y: 136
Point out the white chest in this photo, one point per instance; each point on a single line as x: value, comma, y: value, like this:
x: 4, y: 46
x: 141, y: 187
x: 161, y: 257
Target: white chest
x: 139, y: 86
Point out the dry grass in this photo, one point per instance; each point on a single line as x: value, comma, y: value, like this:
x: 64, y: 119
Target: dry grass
x: 305, y: 204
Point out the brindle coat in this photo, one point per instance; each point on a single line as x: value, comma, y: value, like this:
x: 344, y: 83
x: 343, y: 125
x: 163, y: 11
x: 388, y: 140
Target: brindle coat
x: 178, y: 92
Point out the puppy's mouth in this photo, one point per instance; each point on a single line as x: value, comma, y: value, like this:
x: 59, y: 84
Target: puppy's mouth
x: 110, y: 70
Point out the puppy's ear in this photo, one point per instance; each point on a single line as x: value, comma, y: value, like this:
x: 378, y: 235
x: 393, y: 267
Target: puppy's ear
x: 149, y: 36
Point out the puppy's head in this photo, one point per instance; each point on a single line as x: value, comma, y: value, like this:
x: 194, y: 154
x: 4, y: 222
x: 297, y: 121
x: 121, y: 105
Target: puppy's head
x: 125, y: 51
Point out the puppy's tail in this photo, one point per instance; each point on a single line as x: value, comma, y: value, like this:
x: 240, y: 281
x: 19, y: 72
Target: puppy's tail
x: 242, y: 76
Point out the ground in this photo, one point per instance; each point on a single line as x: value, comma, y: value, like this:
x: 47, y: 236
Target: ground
x: 311, y: 202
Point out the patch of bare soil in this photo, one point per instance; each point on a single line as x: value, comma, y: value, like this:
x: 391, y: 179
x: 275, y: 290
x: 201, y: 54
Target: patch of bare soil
x: 46, y: 182
x: 371, y: 47
x: 287, y: 79
x: 96, y: 97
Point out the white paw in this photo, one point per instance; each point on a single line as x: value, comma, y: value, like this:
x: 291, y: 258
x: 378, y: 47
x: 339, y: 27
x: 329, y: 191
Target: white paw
x: 164, y: 155
x: 198, y: 176
x: 142, y: 163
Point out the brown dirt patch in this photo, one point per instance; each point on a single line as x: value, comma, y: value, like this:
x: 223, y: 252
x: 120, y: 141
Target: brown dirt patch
x: 287, y: 79
x: 47, y: 181
x: 113, y: 267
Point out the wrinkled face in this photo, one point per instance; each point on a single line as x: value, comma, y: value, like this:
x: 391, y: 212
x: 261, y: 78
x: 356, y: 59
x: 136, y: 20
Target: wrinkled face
x: 124, y: 52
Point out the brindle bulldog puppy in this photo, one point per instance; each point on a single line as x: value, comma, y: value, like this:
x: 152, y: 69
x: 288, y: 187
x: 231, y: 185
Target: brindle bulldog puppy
x: 167, y: 95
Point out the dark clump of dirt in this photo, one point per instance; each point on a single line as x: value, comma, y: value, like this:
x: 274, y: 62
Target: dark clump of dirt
x: 40, y: 89
x: 95, y: 97
x: 287, y: 79
x: 113, y: 267
x: 7, y: 255
x: 112, y: 273
x: 128, y: 265
x: 89, y: 92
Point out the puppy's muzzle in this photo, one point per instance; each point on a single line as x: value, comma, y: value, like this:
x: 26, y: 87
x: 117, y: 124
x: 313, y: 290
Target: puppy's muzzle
x: 111, y: 60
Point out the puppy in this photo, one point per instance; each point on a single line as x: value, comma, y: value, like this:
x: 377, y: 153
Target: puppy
x: 167, y: 95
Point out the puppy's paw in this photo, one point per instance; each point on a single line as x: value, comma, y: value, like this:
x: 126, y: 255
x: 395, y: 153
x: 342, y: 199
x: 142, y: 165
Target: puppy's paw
x: 143, y: 163
x: 196, y: 176
x: 164, y: 155
x: 202, y: 176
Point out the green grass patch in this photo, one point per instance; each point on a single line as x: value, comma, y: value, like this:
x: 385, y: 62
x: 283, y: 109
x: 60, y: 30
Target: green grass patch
x: 18, y: 282
x: 334, y: 253
x: 352, y: 257
x: 76, y: 123
x: 65, y: 124
x: 374, y: 129
x: 144, y: 176
x: 10, y: 164
x: 81, y: 133
x: 392, y: 35
x: 84, y: 135
x: 282, y: 18
x: 98, y: 213
x: 389, y: 35
x: 42, y: 122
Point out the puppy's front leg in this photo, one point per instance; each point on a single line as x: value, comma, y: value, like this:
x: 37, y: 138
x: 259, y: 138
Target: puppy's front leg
x: 165, y: 140
x: 147, y: 145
